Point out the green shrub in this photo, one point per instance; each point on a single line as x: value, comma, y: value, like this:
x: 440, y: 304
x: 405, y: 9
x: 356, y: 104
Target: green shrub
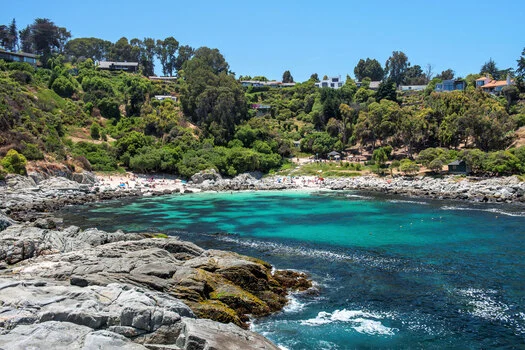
x: 63, y: 86
x: 94, y: 131
x: 408, y: 167
x: 14, y: 162
x: 22, y: 77
x: 31, y: 151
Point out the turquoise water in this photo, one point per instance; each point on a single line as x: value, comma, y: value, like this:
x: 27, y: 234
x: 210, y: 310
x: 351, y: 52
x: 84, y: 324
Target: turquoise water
x: 389, y: 272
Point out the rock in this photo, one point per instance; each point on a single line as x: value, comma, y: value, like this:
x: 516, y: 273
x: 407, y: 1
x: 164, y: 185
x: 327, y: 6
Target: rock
x: 5, y: 221
x: 220, y: 285
x: 17, y: 182
x: 199, y: 334
x: 210, y: 175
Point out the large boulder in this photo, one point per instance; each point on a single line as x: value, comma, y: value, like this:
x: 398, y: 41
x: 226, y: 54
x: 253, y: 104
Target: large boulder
x: 200, y: 334
x: 33, y: 309
x: 206, y: 175
x: 19, y: 182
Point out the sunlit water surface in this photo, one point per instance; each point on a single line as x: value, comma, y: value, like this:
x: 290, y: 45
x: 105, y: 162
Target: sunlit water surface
x: 391, y: 272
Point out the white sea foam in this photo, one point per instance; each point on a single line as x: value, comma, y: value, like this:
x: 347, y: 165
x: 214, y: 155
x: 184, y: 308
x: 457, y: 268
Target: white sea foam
x: 358, y: 196
x: 361, y: 321
x: 489, y: 210
x: 293, y: 305
x: 406, y: 201
x: 315, y: 253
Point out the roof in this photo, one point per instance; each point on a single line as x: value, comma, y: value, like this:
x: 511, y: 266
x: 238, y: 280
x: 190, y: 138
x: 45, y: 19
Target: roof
x: 334, y: 153
x: 21, y: 54
x: 482, y: 78
x: 496, y: 83
x: 108, y: 64
x: 457, y: 162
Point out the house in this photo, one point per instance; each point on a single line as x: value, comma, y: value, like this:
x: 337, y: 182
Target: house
x: 261, y: 109
x: 332, y: 82
x: 451, y: 85
x: 124, y: 66
x: 167, y: 79
x: 19, y: 57
x: 458, y: 167
x: 411, y: 87
x: 166, y: 97
x: 273, y: 83
x: 493, y: 86
x: 374, y: 85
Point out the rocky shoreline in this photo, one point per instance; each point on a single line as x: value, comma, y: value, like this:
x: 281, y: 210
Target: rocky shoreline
x: 88, y: 289
x: 502, y: 189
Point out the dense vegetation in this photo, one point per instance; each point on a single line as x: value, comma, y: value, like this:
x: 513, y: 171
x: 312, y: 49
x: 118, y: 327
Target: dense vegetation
x: 70, y: 111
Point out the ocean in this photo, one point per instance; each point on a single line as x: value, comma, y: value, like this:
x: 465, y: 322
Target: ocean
x: 389, y: 272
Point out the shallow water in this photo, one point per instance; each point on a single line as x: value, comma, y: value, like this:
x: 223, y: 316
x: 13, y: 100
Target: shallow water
x: 391, y: 272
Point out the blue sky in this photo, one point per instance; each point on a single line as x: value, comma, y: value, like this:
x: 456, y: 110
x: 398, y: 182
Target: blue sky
x: 267, y: 37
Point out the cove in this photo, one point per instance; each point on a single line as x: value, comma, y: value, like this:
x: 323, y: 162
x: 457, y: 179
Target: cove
x: 391, y: 272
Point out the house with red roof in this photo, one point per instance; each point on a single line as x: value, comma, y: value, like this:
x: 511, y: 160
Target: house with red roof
x: 493, y: 86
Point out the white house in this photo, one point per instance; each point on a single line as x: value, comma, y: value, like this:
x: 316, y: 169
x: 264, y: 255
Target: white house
x: 331, y: 82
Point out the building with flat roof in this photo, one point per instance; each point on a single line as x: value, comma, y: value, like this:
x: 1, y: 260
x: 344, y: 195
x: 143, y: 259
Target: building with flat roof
x: 124, y: 66
x: 19, y: 57
x: 331, y: 82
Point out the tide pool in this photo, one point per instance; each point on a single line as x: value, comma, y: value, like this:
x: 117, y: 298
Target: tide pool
x: 390, y: 272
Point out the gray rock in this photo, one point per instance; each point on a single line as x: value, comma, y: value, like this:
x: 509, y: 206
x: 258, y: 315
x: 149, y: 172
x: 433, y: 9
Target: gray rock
x: 5, y: 221
x: 201, y: 334
x: 17, y: 182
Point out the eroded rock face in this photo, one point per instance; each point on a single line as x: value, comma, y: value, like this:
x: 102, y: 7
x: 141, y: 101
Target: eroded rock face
x: 218, y: 285
x: 40, y: 314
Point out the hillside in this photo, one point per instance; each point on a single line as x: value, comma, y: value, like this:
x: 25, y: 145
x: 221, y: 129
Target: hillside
x: 92, y: 119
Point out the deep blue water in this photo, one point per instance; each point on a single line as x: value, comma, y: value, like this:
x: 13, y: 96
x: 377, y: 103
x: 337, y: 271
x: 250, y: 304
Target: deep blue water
x: 390, y: 272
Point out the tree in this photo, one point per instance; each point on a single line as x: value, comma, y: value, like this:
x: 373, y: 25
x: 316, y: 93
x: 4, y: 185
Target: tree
x: 287, y: 77
x: 314, y: 77
x: 121, y: 51
x: 371, y: 68
x: 490, y: 67
x: 9, y: 36
x: 396, y: 66
x: 446, y: 74
x: 43, y: 37
x: 213, y: 59
x: 428, y: 72
x: 94, y: 131
x: 414, y: 76
x: 408, y: 167
x: 386, y: 90
x: 521, y: 64
x: 94, y: 48
x: 186, y: 52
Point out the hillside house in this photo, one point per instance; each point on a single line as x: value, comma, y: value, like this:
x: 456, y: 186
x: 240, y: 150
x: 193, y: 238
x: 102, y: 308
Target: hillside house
x: 411, y: 87
x: 458, y: 167
x: 374, y: 85
x: 19, y: 57
x: 493, y: 86
x: 331, y: 82
x: 272, y: 83
x: 451, y: 85
x: 131, y: 67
